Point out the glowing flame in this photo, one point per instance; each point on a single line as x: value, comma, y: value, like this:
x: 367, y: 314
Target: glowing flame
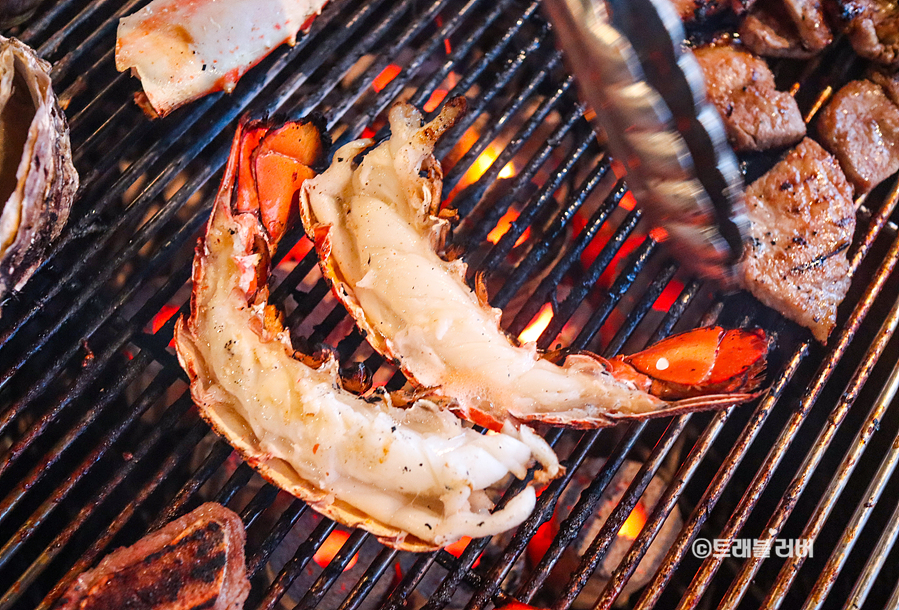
x: 537, y: 325
x: 503, y: 226
x: 383, y: 79
x: 330, y: 548
x: 630, y: 529
x: 483, y: 163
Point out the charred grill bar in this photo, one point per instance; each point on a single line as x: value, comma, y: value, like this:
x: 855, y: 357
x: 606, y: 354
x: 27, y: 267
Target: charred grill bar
x: 100, y: 442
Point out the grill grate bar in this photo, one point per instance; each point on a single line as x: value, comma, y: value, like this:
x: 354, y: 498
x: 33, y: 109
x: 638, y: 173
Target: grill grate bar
x: 240, y: 477
x: 460, y: 50
x: 874, y: 564
x: 661, y: 511
x: 476, y: 191
x: 871, y: 496
x: 569, y: 529
x: 138, y: 208
x: 572, y: 254
x: 333, y: 570
x: 362, y: 85
x: 284, y: 524
x: 621, y: 285
x: 62, y: 66
x: 43, y: 22
x: 96, y: 365
x: 597, y: 550
x: 716, y: 487
x: 50, y: 553
x: 702, y: 579
x: 371, y: 576
x: 543, y: 511
x: 93, y: 105
x: 413, y: 576
x: 502, y: 79
x: 466, y: 560
x: 293, y: 568
x: 539, y: 203
x: 36, y: 474
x: 261, y: 501
x: 813, y: 457
x: 175, y: 508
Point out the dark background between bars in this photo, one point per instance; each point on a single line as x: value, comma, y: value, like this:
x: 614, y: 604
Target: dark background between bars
x: 100, y: 440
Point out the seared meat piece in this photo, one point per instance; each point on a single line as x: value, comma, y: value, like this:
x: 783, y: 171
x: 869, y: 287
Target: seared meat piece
x: 756, y: 116
x: 872, y: 27
x: 801, y: 222
x: 860, y: 126
x: 786, y: 28
x: 196, y: 561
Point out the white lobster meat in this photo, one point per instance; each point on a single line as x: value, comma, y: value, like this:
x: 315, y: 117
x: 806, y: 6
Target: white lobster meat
x: 415, y: 477
x: 182, y: 50
x: 378, y: 232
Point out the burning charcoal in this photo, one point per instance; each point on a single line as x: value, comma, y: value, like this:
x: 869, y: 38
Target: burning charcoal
x: 616, y: 551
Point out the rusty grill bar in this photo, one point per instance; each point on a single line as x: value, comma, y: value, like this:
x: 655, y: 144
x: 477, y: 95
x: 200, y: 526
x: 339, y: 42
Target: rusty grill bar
x: 100, y: 442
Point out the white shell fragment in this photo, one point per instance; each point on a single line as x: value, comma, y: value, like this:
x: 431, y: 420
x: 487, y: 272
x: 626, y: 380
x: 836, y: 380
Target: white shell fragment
x: 182, y: 51
x: 37, y: 178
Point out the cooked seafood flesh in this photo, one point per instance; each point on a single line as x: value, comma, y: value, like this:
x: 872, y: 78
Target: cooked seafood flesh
x: 181, y: 51
x: 756, y: 116
x: 860, y: 126
x: 378, y: 231
x: 196, y: 561
x: 37, y: 178
x: 413, y: 476
x: 802, y: 220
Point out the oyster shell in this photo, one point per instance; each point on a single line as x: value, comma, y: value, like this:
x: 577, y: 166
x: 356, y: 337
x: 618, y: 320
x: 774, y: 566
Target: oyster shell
x: 37, y: 178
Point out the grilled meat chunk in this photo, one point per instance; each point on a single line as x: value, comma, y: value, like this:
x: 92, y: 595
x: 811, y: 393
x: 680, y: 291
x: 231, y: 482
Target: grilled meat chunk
x: 756, y: 116
x: 860, y: 126
x: 196, y: 561
x: 801, y: 222
x: 872, y: 27
x: 786, y: 28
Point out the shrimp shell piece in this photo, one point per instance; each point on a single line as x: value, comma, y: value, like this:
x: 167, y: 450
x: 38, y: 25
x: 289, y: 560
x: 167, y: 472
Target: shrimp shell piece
x: 416, y: 477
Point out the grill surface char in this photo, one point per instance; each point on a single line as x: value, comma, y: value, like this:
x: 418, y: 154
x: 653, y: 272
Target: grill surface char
x: 101, y: 444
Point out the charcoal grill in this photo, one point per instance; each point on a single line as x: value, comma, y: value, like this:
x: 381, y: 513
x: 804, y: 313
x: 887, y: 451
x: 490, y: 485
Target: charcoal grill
x: 101, y: 444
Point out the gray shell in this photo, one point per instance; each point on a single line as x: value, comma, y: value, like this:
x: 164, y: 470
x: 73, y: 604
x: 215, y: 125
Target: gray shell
x: 44, y: 182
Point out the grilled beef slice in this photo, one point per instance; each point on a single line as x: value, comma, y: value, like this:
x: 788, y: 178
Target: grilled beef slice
x: 756, y: 115
x: 801, y: 222
x: 872, y: 27
x: 194, y: 562
x: 786, y: 28
x: 860, y: 126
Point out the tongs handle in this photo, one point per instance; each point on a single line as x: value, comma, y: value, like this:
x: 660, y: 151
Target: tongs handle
x: 648, y: 94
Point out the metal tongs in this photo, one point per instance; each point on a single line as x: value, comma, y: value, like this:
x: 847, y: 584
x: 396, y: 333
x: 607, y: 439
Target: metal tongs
x: 648, y: 93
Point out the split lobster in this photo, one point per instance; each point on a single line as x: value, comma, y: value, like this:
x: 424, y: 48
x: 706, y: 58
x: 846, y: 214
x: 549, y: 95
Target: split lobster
x: 379, y: 232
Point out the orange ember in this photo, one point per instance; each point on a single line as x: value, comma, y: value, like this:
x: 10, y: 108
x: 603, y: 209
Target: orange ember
x: 455, y: 549
x: 503, y: 226
x: 383, y: 79
x: 533, y: 330
x: 330, y: 548
x: 668, y: 296
x: 630, y: 529
x: 628, y: 202
x: 659, y: 234
x: 434, y: 101
x: 162, y: 317
x: 483, y: 163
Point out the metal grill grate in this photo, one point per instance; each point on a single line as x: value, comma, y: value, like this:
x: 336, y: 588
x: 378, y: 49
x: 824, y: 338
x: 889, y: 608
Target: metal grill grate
x: 101, y: 443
